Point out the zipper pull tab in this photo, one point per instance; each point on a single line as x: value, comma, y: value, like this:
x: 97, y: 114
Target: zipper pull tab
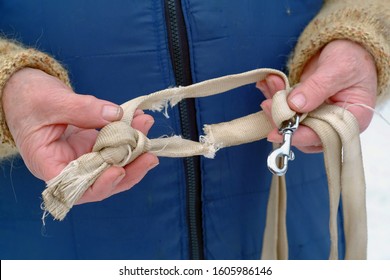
x: 287, y: 129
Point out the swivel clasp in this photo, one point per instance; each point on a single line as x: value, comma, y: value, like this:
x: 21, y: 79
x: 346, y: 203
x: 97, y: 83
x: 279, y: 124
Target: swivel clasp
x: 287, y: 129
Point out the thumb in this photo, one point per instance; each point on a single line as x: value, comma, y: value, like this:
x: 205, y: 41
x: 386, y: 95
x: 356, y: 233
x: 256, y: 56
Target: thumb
x: 84, y: 111
x: 316, y: 88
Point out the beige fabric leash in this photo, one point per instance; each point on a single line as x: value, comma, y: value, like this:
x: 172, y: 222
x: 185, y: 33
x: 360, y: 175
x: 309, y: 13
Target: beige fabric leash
x: 119, y: 144
x: 339, y: 133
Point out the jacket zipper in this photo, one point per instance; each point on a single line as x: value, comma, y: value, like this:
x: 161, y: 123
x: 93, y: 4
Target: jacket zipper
x: 179, y: 51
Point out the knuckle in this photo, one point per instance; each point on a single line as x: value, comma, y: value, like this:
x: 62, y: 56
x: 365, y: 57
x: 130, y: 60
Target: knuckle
x: 85, y: 102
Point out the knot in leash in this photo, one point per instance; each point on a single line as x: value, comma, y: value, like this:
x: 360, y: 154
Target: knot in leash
x: 116, y: 144
x: 119, y: 144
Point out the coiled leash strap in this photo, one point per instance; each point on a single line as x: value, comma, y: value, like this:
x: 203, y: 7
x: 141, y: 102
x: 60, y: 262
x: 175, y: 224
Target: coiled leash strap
x: 119, y: 144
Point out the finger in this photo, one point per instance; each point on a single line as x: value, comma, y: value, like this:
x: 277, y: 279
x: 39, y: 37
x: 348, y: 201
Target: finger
x: 138, y: 112
x: 266, y: 106
x: 275, y: 83
x: 271, y: 85
x: 313, y: 92
x: 310, y: 149
x: 303, y: 137
x: 309, y: 146
x: 143, y: 123
x: 136, y: 170
x: 104, y: 186
x: 83, y: 111
x: 263, y: 86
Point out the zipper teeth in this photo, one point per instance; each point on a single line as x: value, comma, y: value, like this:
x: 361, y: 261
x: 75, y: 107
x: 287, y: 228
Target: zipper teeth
x: 179, y: 53
x: 192, y: 215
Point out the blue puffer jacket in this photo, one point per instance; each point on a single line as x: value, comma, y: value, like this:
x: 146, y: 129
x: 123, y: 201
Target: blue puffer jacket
x: 184, y: 208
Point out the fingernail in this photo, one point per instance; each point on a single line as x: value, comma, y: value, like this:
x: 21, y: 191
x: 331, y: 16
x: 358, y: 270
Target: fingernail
x: 111, y: 112
x: 118, y: 180
x: 299, y: 100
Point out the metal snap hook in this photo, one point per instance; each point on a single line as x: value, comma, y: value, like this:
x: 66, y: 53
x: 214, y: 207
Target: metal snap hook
x: 288, y: 128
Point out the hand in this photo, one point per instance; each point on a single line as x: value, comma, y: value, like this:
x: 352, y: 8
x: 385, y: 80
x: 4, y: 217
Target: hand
x: 343, y: 74
x: 52, y: 126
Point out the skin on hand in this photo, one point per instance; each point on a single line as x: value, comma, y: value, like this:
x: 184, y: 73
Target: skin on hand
x: 52, y: 125
x: 343, y: 73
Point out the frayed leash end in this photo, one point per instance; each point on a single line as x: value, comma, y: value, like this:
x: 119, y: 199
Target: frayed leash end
x: 63, y: 191
x: 209, y: 142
